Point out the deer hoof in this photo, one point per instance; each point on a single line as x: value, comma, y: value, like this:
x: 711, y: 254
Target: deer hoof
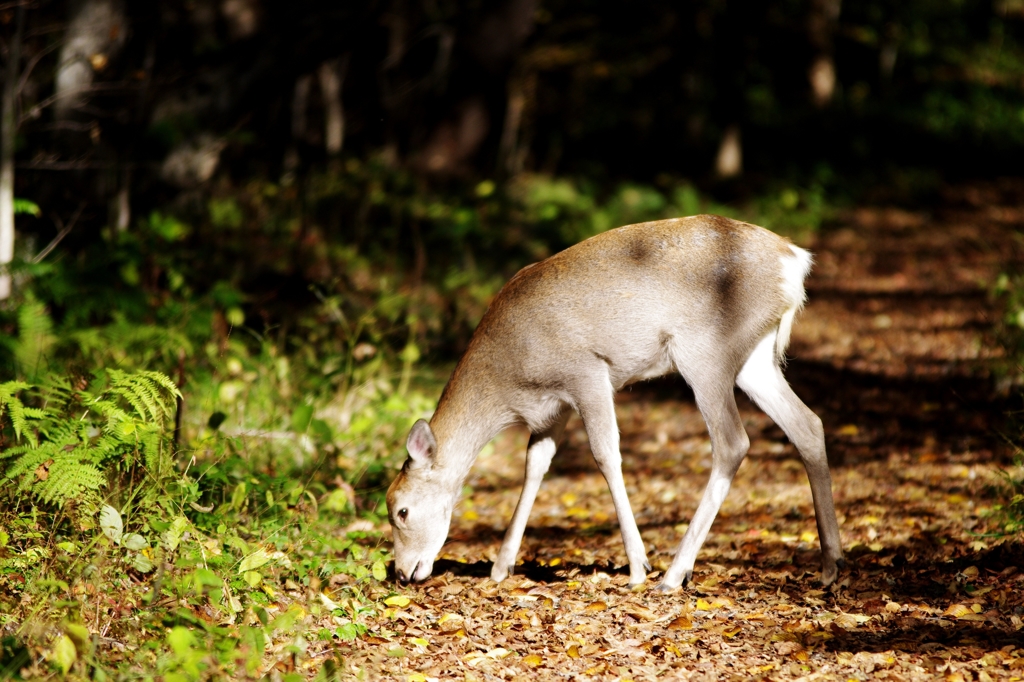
x: 498, y: 574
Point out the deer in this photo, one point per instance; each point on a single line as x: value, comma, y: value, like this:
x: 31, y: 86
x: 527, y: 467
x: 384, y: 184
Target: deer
x: 711, y: 298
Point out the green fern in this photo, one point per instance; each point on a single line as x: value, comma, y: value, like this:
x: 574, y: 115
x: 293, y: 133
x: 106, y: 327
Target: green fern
x: 35, y: 337
x: 151, y: 394
x: 18, y: 412
x: 128, y: 345
x: 76, y: 442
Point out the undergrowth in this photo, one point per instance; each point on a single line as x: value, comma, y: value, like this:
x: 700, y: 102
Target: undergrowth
x: 229, y: 528
x: 1010, y: 513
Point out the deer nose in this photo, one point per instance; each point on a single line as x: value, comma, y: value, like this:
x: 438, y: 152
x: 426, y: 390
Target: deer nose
x: 405, y: 579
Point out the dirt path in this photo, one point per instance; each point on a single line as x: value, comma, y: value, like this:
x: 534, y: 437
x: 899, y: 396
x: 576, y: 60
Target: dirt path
x: 895, y: 352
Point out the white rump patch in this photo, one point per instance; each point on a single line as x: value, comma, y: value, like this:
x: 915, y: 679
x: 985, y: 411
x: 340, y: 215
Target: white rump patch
x: 794, y: 271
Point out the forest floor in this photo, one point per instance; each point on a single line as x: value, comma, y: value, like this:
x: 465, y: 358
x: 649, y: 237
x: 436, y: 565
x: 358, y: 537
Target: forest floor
x: 896, y: 352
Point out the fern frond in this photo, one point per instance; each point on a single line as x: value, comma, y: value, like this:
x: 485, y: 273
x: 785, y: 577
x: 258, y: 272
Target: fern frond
x: 17, y: 412
x: 25, y: 468
x: 35, y: 336
x: 15, y: 451
x: 157, y: 464
x: 69, y: 479
x: 128, y: 344
x: 111, y: 412
x: 140, y: 399
x: 79, y: 438
x: 60, y: 430
x: 164, y: 400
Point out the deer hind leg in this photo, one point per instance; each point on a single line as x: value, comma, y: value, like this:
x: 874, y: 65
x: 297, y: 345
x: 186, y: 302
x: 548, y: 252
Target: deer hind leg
x: 762, y: 379
x: 729, y: 444
x: 597, y: 408
x: 539, y: 453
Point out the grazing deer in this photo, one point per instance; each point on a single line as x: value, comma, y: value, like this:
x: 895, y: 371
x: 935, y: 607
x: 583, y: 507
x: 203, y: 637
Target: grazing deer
x: 709, y: 297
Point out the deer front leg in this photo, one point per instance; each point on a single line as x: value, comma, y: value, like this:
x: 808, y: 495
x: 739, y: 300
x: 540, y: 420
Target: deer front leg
x: 598, y: 415
x: 538, y: 458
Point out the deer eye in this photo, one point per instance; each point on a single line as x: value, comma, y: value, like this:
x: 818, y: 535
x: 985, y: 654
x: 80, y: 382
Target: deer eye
x: 403, y: 513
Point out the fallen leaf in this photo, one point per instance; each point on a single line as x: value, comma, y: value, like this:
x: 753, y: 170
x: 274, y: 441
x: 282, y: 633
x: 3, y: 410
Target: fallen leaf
x: 533, y: 660
x: 42, y: 473
x: 787, y: 648
x: 957, y: 610
x: 641, y: 613
x: 850, y: 620
x: 681, y: 623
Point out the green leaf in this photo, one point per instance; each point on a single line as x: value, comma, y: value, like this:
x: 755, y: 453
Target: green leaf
x: 337, y: 500
x: 321, y: 431
x: 287, y: 619
x: 181, y: 640
x: 238, y: 496
x: 349, y: 631
x: 254, y: 561
x: 171, y: 537
x: 26, y: 206
x: 64, y: 654
x: 380, y: 571
x: 142, y: 563
x: 111, y: 523
x: 410, y: 354
x: 133, y: 541
x: 301, y: 416
x: 79, y: 634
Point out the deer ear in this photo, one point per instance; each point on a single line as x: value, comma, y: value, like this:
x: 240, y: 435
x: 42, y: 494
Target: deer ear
x: 421, y: 444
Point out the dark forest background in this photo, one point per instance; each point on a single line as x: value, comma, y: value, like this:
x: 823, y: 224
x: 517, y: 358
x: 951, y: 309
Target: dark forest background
x: 248, y: 149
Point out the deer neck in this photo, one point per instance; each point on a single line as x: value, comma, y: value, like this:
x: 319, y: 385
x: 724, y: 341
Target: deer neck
x: 468, y: 416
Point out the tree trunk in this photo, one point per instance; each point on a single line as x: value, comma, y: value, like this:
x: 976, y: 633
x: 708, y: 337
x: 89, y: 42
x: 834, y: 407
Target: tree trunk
x: 508, y: 156
x: 8, y: 129
x: 821, y: 27
x: 332, y: 76
x: 300, y: 103
x: 729, y: 161
x: 95, y: 33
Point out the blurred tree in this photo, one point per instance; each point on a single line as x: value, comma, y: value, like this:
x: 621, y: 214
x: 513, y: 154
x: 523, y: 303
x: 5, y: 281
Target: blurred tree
x: 8, y: 133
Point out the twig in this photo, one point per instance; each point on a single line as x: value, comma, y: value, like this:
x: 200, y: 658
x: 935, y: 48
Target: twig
x: 65, y: 165
x: 12, y: 5
x: 60, y: 235
x: 95, y: 87
x: 32, y: 63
